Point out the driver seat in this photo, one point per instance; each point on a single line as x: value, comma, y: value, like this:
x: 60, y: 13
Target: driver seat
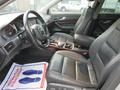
x: 70, y: 68
x: 81, y: 29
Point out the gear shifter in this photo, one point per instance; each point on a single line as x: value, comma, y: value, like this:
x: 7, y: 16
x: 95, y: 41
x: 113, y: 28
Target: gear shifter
x: 61, y: 44
x: 68, y: 45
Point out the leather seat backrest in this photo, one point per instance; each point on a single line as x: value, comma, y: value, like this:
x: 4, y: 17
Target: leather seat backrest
x: 113, y: 81
x: 105, y: 51
x: 84, y: 22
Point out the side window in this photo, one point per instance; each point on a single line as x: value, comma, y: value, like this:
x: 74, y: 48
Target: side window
x: 16, y: 5
x: 70, y: 6
x: 111, y: 6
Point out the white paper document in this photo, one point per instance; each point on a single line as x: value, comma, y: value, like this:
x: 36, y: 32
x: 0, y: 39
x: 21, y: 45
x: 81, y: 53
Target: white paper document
x: 26, y: 77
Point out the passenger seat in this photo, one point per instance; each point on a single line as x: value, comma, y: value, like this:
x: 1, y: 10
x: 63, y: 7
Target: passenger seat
x: 81, y: 29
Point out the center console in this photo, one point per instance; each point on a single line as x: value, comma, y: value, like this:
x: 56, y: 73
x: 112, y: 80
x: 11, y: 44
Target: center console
x: 62, y: 45
x: 68, y: 46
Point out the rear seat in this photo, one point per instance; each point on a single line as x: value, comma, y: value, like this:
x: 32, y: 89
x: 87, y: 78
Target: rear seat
x: 112, y: 83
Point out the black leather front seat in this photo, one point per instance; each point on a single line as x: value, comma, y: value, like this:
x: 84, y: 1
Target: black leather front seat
x: 70, y: 68
x: 81, y: 28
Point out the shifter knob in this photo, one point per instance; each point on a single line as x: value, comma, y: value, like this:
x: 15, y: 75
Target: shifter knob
x: 61, y: 44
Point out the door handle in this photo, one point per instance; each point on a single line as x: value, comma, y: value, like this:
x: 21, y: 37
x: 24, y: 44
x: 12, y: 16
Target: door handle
x: 63, y: 18
x: 108, y: 21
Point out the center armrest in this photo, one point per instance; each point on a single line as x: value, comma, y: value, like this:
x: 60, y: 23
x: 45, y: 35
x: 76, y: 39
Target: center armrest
x: 83, y: 40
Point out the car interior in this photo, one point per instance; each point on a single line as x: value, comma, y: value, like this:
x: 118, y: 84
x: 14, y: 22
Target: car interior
x: 83, y: 50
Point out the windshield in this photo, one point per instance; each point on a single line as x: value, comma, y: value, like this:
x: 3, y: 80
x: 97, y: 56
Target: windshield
x: 23, y: 5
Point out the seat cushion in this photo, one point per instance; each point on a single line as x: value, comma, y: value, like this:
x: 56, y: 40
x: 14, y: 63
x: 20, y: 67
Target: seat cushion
x: 71, y: 68
x: 61, y: 37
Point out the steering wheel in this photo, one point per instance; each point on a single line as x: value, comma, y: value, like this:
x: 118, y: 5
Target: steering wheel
x: 38, y: 33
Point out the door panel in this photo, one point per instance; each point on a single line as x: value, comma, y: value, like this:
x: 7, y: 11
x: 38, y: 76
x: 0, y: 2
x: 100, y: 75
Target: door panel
x: 63, y: 23
x: 71, y: 10
x: 103, y: 22
x: 109, y: 13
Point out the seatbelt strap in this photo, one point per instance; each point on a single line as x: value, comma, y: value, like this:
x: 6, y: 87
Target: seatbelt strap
x: 97, y: 7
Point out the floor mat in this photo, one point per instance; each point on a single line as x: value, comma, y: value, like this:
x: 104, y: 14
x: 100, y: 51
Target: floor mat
x: 32, y: 55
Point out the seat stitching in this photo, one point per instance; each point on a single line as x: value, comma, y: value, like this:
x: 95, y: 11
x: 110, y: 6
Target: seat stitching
x: 76, y: 70
x: 62, y: 66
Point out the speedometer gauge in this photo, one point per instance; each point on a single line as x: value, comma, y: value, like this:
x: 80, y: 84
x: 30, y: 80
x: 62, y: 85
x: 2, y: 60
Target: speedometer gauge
x: 10, y: 30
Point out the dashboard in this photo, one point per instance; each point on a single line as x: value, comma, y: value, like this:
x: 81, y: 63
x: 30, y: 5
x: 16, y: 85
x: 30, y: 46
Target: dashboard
x: 13, y: 36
